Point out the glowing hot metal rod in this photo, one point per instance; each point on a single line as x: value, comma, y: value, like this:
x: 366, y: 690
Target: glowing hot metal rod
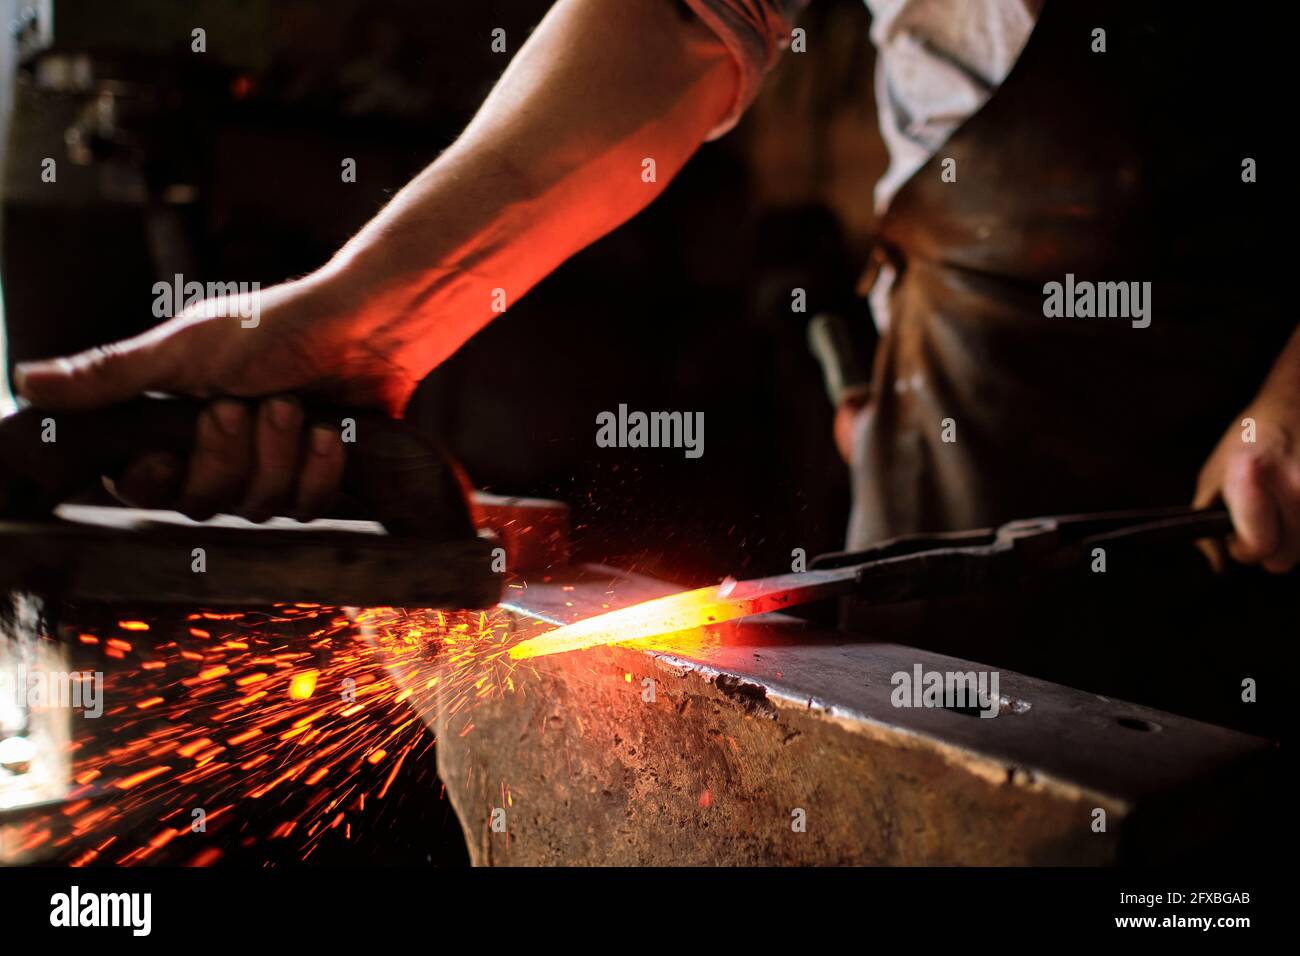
x: 691, y: 609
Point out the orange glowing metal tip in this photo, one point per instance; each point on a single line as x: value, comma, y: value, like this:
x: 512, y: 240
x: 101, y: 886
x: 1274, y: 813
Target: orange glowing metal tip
x: 688, y: 610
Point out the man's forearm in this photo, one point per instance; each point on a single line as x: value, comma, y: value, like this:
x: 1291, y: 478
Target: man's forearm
x: 552, y: 161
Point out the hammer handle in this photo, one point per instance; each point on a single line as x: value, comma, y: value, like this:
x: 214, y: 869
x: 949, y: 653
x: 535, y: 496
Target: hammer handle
x: 394, y: 474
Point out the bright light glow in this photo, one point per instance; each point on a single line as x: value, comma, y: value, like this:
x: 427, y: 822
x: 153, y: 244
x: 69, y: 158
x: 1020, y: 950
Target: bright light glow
x: 303, y: 685
x: 689, y: 611
x: 666, y: 615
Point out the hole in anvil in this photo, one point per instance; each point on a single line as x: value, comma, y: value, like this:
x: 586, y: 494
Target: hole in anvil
x: 1006, y: 706
x: 1137, y: 723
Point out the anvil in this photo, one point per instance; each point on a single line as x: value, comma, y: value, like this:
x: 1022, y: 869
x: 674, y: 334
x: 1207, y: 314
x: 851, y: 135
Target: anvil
x: 774, y: 740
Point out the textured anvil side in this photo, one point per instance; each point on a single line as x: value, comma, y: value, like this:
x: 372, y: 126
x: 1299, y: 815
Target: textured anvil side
x: 775, y: 742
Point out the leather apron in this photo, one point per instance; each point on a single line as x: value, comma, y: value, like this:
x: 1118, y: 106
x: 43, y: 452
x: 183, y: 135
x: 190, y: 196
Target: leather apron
x: 1115, y: 166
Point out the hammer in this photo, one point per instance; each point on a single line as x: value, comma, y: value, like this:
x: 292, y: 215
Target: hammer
x: 406, y: 537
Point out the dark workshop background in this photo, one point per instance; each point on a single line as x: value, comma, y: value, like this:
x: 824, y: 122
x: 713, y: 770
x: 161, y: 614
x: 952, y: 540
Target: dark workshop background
x: 225, y: 166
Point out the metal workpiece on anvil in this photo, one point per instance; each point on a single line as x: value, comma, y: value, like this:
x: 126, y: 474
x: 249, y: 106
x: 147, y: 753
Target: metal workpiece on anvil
x: 702, y: 749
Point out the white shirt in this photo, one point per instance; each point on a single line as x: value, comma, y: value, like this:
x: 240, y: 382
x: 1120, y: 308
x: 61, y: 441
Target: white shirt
x: 937, y: 63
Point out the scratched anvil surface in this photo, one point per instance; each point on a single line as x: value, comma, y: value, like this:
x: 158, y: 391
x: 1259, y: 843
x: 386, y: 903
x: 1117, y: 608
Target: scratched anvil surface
x: 772, y: 741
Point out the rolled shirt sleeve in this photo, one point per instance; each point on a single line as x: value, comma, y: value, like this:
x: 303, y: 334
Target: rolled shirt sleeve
x: 754, y: 31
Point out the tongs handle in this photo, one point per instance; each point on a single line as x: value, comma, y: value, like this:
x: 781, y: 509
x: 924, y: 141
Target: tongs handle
x: 1169, y: 526
x: 934, y: 565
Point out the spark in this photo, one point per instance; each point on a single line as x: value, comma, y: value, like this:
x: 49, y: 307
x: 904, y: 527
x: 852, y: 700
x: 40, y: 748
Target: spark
x: 302, y: 686
x: 300, y: 708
